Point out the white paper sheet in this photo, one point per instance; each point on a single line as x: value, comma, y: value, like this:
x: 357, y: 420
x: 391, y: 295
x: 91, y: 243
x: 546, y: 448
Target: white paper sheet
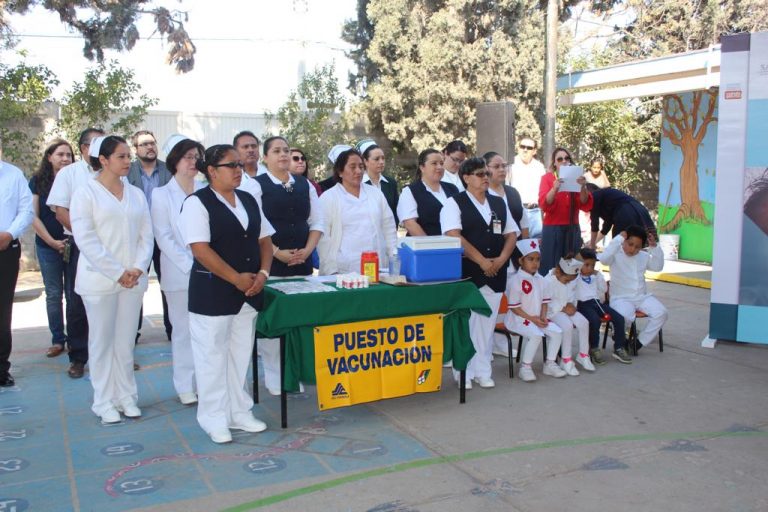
x: 569, y: 174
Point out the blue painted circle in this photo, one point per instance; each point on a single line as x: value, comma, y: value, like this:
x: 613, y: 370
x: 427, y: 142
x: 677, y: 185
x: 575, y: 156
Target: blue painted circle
x: 121, y: 449
x: 17, y: 504
x: 139, y: 485
x: 12, y: 465
x: 265, y: 466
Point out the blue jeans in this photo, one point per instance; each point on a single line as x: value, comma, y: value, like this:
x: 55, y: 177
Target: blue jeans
x: 52, y: 267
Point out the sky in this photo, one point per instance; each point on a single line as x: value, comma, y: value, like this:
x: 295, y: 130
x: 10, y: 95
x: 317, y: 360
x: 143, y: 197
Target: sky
x: 248, y: 57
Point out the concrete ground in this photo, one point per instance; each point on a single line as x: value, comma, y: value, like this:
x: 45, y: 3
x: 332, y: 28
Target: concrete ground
x: 686, y: 429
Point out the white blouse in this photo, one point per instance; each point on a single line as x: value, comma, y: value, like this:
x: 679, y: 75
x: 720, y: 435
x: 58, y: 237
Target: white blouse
x: 113, y: 235
x: 407, y: 208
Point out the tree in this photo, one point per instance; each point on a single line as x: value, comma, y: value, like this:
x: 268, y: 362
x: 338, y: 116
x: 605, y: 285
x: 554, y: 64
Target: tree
x: 319, y: 126
x: 108, y: 97
x: 687, y: 129
x: 112, y: 25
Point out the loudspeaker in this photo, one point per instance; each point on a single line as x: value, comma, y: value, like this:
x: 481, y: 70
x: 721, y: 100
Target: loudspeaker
x: 496, y: 128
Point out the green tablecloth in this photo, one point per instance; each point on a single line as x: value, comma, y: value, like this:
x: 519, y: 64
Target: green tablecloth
x: 294, y: 316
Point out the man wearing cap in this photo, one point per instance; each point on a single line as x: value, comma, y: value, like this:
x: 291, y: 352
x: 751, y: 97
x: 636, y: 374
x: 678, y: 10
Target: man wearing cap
x: 68, y: 180
x: 16, y: 215
x: 525, y: 176
x: 148, y: 172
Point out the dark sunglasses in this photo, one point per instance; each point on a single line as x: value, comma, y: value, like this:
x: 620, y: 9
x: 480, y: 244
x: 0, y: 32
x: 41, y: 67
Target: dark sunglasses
x: 482, y: 174
x: 529, y: 148
x: 298, y: 158
x: 563, y: 159
x: 231, y: 165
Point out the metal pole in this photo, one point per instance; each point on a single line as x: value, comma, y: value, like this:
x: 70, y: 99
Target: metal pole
x: 550, y: 79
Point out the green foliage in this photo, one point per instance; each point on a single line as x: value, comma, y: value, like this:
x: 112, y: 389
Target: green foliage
x: 23, y: 90
x: 318, y: 126
x: 112, y: 25
x: 109, y: 97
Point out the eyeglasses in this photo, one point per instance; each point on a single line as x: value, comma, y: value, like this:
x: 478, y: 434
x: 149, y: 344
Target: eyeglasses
x: 563, y: 159
x: 456, y: 160
x: 298, y: 158
x: 231, y: 165
x: 191, y: 158
x: 147, y: 144
x: 529, y: 148
x: 482, y: 174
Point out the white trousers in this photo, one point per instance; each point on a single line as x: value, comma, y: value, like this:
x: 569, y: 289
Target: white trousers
x: 222, y: 347
x: 648, y: 304
x: 567, y: 323
x: 481, y: 332
x: 112, y: 323
x: 181, y: 342
x: 532, y: 335
x: 269, y: 350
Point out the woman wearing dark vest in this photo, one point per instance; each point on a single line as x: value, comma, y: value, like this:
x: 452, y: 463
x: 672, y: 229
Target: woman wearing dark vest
x: 374, y: 162
x: 498, y: 187
x: 232, y: 250
x: 290, y: 204
x: 488, y: 234
x: 421, y: 201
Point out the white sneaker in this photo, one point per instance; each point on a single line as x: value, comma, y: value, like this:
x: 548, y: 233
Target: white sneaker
x: 249, y: 424
x: 569, y: 368
x: 187, y: 398
x: 585, y: 363
x: 468, y: 386
x: 526, y: 374
x: 220, y: 436
x: 485, y: 382
x: 129, y: 409
x: 110, y: 417
x: 551, y: 369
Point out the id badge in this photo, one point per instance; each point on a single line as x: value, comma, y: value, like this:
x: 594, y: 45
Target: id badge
x: 496, y: 226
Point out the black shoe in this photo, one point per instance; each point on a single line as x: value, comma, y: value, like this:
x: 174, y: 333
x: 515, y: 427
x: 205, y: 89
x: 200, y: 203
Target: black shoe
x: 76, y: 370
x: 168, y: 333
x: 7, y: 381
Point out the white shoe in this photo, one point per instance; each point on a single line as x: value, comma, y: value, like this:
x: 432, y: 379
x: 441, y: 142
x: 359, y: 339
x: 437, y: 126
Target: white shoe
x: 448, y: 364
x: 585, y: 363
x: 188, y: 398
x: 485, y: 382
x: 569, y: 368
x: 500, y: 353
x: 468, y: 386
x: 129, y: 409
x: 248, y: 423
x: 110, y: 417
x: 526, y: 374
x: 273, y: 391
x: 551, y: 369
x: 220, y: 436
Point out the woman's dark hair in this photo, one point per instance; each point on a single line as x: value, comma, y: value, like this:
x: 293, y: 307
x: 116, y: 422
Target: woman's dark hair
x: 555, y: 152
x: 178, y: 152
x: 757, y: 191
x: 597, y: 160
x: 108, y: 146
x: 44, y: 174
x: 490, y: 155
x: 592, y: 188
x: 639, y: 232
x: 368, y: 151
x: 341, y: 163
x: 423, y: 159
x: 306, y: 161
x: 213, y: 155
x: 585, y: 253
x: 470, y: 165
x: 268, y: 143
x: 455, y: 145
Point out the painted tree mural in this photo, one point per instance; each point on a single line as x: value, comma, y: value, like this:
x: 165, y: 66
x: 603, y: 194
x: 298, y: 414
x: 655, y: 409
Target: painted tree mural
x: 686, y: 129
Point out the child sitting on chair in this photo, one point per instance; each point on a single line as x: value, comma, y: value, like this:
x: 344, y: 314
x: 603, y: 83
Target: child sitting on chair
x: 528, y: 298
x: 590, y: 293
x: 562, y: 311
x: 629, y: 293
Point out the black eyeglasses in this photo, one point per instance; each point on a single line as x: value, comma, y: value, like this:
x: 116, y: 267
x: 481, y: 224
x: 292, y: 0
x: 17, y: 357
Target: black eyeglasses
x: 231, y: 165
x: 482, y: 174
x: 563, y: 159
x: 529, y: 148
x: 298, y: 158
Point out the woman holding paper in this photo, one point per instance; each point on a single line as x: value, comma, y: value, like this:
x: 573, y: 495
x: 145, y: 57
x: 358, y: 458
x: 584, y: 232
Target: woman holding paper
x: 561, y: 234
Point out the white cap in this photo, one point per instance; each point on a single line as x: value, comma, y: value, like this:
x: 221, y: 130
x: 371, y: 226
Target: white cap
x: 336, y: 150
x: 172, y: 141
x: 570, y: 266
x: 528, y: 245
x: 93, y: 149
x: 365, y: 144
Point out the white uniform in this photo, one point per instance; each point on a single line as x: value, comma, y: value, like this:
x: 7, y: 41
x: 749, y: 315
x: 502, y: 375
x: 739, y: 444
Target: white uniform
x: 406, y: 204
x: 176, y: 262
x: 453, y: 179
x: 529, y: 292
x: 628, y: 290
x: 592, y: 287
x: 562, y: 294
x: 68, y: 180
x: 221, y: 345
x: 114, y: 235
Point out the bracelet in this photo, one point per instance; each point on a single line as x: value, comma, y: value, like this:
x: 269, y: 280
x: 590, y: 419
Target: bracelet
x: 275, y: 249
x: 266, y: 274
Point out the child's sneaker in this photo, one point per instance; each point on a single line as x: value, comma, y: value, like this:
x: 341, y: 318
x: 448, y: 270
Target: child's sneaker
x: 551, y: 369
x: 585, y: 363
x: 597, y: 356
x: 569, y: 368
x: 622, y: 356
x: 526, y: 374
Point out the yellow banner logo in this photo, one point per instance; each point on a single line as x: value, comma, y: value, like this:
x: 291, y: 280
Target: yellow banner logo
x: 367, y: 361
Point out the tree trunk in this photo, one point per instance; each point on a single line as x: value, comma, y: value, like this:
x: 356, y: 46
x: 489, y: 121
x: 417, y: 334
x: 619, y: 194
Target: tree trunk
x: 690, y: 204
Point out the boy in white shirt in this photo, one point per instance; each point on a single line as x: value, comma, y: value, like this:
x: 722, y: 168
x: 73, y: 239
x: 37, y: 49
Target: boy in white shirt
x: 629, y: 293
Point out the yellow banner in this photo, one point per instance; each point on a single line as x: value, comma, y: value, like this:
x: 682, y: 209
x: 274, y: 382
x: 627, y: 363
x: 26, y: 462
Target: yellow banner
x: 366, y: 361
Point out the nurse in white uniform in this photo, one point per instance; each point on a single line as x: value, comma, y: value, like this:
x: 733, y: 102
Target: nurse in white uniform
x: 176, y: 257
x: 357, y: 219
x: 112, y: 227
x: 232, y: 249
